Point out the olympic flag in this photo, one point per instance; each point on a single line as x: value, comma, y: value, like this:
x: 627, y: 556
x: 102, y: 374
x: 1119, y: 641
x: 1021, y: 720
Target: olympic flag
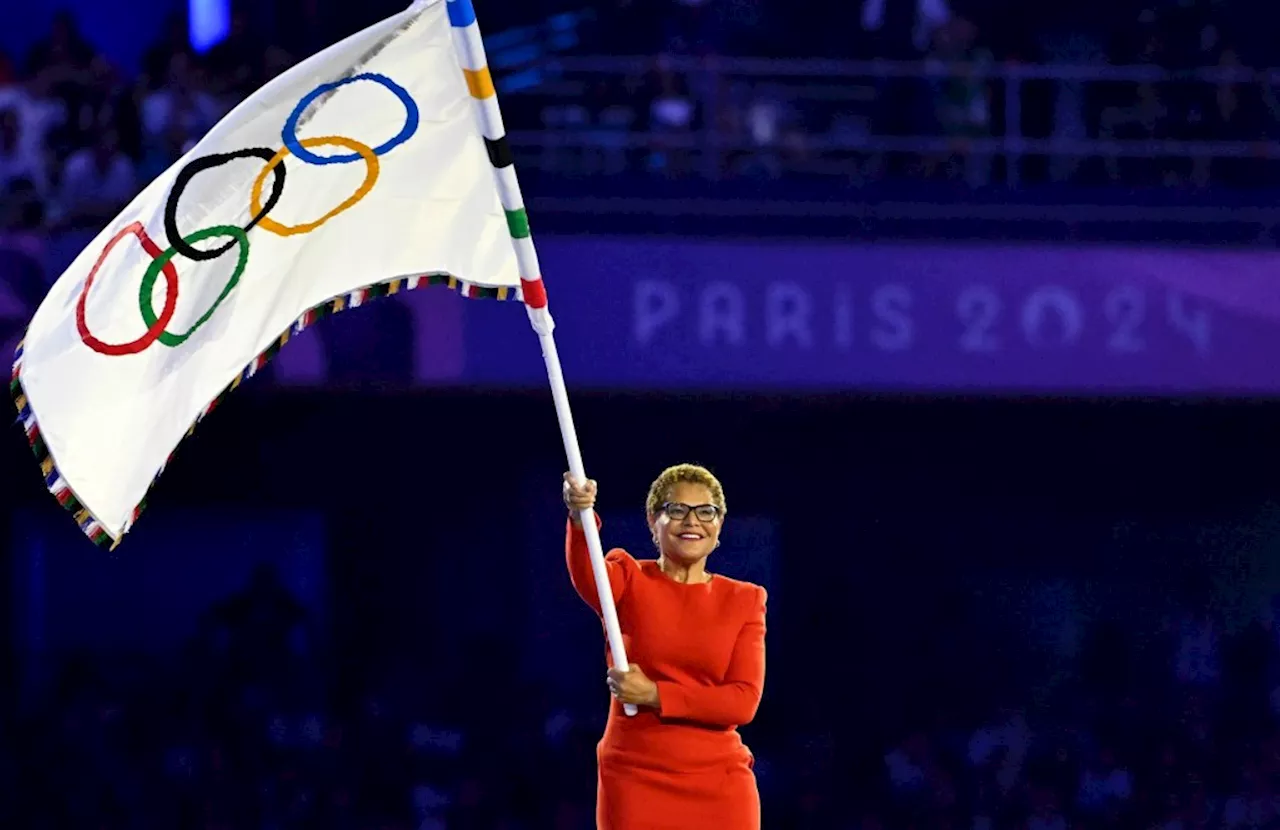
x: 262, y: 235
x: 366, y: 170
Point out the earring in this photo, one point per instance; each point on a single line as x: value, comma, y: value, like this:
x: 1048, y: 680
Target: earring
x: 717, y: 544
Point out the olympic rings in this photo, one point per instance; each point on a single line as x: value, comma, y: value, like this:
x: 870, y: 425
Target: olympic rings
x: 156, y: 325
x: 164, y: 260
x: 372, y: 167
x: 208, y: 163
x: 299, y: 148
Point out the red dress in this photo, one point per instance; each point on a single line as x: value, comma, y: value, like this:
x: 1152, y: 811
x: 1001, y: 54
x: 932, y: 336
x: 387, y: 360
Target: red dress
x: 684, y: 767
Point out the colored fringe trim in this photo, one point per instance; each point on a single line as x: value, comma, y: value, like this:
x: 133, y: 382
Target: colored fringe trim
x: 57, y: 485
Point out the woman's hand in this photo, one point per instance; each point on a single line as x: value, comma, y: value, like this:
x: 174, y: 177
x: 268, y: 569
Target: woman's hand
x: 578, y: 495
x: 633, y: 687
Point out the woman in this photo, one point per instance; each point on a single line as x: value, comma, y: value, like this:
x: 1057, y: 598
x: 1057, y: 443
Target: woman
x: 697, y: 640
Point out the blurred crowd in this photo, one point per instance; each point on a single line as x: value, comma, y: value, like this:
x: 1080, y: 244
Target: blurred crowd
x: 1169, y: 731
x: 245, y: 730
x: 719, y: 122
x: 1174, y: 727
x: 78, y: 137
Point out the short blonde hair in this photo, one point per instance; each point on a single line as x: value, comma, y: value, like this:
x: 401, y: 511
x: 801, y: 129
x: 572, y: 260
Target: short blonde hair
x: 683, y: 474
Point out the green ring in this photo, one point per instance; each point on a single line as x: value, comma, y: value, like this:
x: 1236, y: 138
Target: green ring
x: 145, y: 300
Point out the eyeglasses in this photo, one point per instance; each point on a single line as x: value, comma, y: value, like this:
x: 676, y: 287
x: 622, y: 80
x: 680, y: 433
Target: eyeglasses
x: 704, y: 512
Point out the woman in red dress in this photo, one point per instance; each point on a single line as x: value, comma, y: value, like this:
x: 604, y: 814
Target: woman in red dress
x: 697, y: 642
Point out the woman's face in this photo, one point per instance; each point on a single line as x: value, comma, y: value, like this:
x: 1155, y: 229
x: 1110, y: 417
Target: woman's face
x: 681, y: 533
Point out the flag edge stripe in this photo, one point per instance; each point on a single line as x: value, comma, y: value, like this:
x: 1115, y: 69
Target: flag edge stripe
x: 66, y: 496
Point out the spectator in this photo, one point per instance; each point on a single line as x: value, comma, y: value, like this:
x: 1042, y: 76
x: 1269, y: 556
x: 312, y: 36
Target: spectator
x: 1229, y: 111
x: 1145, y: 117
x: 672, y: 116
x: 63, y: 55
x: 59, y: 69
x: 174, y: 116
x: 157, y: 60
x: 236, y: 63
x: 20, y: 162
x: 23, y: 282
x: 37, y: 117
x: 962, y: 102
x: 97, y: 183
x: 181, y: 111
x: 903, y: 29
x: 774, y: 127
x: 109, y: 102
x: 160, y: 152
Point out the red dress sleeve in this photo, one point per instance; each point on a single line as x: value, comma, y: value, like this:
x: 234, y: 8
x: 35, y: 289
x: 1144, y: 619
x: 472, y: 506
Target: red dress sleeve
x: 735, y: 701
x: 618, y: 562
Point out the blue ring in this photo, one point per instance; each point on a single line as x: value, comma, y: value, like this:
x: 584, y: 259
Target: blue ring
x: 290, y: 132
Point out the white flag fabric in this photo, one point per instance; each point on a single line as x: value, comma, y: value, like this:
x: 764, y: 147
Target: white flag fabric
x: 367, y: 169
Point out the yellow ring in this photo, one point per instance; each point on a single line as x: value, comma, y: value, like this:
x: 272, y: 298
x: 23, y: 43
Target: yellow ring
x: 371, y: 165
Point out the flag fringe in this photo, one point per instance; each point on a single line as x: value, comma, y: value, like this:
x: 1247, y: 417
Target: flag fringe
x: 61, y: 490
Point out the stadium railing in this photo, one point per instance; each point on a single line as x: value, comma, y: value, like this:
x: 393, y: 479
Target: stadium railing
x: 565, y: 123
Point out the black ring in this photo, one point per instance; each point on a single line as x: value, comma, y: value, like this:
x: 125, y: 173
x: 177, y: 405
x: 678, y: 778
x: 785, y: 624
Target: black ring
x: 187, y: 173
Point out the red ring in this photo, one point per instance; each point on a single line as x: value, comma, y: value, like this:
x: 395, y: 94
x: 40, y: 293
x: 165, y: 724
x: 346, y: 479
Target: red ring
x: 170, y: 300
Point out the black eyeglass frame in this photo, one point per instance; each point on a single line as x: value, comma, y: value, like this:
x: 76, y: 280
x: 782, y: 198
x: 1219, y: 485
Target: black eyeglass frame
x: 712, y: 510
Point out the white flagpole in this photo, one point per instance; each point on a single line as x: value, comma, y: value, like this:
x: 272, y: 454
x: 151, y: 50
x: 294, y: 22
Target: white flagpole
x: 564, y: 415
x: 470, y: 48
